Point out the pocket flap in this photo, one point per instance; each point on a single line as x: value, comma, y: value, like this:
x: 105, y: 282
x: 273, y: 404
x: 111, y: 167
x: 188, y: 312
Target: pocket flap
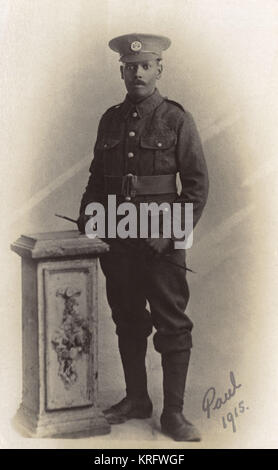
x: 107, y: 143
x: 158, y: 141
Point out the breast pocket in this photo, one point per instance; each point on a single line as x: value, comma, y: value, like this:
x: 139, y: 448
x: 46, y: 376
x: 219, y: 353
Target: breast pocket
x: 110, y: 148
x: 160, y: 144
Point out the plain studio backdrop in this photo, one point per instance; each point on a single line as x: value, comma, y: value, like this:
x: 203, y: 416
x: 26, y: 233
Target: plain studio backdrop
x: 58, y: 78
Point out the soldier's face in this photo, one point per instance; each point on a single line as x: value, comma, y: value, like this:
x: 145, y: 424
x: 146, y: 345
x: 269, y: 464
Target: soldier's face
x: 140, y: 78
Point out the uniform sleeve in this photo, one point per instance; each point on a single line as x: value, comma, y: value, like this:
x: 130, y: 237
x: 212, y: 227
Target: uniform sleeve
x: 94, y: 191
x: 192, y: 168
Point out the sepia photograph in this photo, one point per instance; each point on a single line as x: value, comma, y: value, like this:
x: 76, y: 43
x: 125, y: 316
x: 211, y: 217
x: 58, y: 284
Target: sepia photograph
x: 139, y: 203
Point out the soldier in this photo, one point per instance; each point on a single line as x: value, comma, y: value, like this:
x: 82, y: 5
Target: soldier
x: 141, y: 145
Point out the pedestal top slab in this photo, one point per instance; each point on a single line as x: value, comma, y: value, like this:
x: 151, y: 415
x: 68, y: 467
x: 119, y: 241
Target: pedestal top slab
x: 58, y: 245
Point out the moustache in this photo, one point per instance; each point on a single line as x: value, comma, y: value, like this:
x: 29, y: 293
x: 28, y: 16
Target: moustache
x: 138, y: 82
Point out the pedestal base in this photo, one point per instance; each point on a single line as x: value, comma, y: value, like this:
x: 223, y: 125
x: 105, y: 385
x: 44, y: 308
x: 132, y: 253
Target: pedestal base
x: 59, y: 335
x: 62, y: 424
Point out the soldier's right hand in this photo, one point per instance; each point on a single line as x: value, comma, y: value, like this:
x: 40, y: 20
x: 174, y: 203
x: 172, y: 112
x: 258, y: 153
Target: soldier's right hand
x: 81, y: 222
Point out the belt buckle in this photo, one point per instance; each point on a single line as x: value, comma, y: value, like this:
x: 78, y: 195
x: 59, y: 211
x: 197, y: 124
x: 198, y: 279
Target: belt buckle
x: 129, y: 186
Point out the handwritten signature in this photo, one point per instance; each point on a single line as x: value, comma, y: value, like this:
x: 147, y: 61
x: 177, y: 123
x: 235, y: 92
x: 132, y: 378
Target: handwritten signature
x: 212, y: 402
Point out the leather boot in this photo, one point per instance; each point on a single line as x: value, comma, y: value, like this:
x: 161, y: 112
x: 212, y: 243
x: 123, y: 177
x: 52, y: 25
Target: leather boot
x: 137, y: 403
x: 173, y: 422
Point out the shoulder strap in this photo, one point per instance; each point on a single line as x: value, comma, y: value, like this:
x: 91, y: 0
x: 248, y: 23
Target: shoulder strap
x: 175, y: 103
x: 116, y: 106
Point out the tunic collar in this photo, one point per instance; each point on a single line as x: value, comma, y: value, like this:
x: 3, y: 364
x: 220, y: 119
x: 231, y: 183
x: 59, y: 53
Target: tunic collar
x: 144, y: 107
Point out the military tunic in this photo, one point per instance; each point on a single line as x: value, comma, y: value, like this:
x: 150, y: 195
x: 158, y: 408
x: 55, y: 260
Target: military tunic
x: 153, y: 137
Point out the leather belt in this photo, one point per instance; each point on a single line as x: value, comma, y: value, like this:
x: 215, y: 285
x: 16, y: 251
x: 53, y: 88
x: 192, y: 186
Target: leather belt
x: 132, y: 185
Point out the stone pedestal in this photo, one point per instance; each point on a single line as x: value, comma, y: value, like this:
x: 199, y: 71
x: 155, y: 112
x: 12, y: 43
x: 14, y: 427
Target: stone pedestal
x: 59, y: 333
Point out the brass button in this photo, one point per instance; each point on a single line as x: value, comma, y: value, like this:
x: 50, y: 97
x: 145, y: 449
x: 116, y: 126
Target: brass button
x: 130, y: 154
x: 127, y: 198
x: 134, y: 114
x: 159, y: 144
x: 131, y: 134
x: 105, y: 146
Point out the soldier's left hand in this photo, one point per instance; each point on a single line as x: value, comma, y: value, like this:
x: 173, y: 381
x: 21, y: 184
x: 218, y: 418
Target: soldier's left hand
x: 159, y: 246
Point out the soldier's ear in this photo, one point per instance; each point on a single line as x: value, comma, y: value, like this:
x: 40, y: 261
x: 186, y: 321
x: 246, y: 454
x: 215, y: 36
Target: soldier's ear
x: 122, y: 72
x: 159, y: 70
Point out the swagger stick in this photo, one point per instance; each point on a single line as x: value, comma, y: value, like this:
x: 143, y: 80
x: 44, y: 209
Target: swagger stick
x: 65, y: 217
x: 132, y: 246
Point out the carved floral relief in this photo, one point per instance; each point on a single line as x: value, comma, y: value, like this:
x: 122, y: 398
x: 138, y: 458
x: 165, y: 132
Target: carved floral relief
x: 72, y: 339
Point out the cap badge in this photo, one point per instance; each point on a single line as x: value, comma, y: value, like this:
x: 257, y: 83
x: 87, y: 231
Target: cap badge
x: 136, y: 46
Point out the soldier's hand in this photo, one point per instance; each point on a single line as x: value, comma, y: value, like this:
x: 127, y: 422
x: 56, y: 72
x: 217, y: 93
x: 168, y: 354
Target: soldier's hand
x: 159, y: 246
x: 81, y: 222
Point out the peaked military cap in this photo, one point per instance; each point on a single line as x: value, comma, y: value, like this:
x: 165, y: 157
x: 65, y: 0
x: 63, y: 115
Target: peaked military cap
x: 136, y: 47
